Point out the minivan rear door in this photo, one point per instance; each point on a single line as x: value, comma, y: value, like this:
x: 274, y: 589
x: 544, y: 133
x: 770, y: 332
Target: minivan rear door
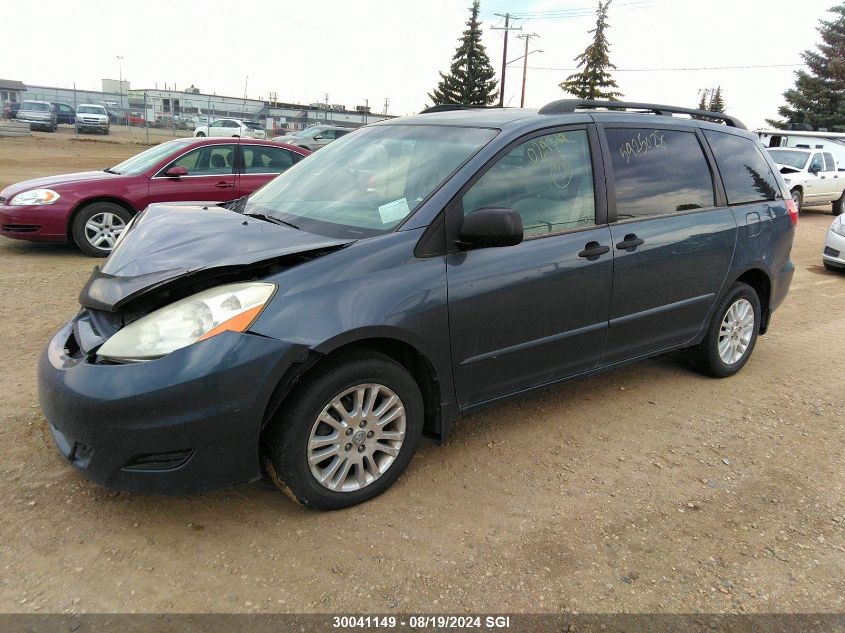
x: 525, y: 315
x: 673, y: 237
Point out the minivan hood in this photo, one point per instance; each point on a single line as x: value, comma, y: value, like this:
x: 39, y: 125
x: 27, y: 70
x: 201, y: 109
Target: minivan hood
x: 55, y: 181
x: 168, y: 242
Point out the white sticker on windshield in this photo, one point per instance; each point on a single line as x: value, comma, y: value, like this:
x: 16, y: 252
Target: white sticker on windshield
x: 393, y: 211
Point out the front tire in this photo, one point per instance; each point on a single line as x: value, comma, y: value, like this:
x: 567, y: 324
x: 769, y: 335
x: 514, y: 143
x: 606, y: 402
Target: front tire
x: 837, y: 204
x: 97, y: 226
x: 200, y: 134
x: 346, y: 433
x: 731, y: 335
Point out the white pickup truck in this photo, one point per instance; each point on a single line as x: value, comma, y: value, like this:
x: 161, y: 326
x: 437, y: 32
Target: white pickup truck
x: 813, y: 176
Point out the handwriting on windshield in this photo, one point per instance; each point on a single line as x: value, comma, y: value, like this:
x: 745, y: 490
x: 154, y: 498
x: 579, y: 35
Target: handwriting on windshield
x: 642, y: 144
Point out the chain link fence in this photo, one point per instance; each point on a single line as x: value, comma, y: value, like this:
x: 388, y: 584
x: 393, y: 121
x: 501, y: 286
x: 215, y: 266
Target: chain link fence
x: 152, y: 114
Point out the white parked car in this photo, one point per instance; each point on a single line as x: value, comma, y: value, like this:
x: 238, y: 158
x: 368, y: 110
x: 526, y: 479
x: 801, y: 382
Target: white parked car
x: 91, y: 116
x: 833, y: 255
x: 231, y: 127
x: 813, y: 176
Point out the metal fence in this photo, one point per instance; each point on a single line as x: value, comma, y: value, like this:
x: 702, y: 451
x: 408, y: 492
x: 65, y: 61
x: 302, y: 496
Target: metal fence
x: 180, y: 112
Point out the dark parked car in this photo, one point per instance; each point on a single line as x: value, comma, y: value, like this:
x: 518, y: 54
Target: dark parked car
x: 412, y: 271
x: 92, y: 208
x: 10, y: 109
x: 64, y: 113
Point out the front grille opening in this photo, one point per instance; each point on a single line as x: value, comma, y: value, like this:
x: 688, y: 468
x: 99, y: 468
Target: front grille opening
x: 72, y: 349
x: 159, y: 461
x: 21, y: 228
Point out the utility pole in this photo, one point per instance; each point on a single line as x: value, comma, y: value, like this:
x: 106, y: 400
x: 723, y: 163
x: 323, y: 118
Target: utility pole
x: 708, y: 96
x: 386, y: 103
x: 507, y: 28
x: 119, y: 59
x: 527, y: 37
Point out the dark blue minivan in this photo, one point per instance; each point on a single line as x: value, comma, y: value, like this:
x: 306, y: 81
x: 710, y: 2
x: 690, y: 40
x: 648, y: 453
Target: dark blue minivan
x: 410, y: 272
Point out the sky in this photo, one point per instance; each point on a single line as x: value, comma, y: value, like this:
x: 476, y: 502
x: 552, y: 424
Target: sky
x: 357, y: 51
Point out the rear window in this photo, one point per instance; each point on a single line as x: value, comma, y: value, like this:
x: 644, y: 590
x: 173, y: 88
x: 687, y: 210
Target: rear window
x: 33, y: 105
x: 744, y: 170
x: 789, y: 157
x: 658, y: 172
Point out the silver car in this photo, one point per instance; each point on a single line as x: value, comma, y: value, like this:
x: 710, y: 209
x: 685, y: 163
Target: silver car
x: 39, y: 114
x: 314, y: 137
x: 833, y: 255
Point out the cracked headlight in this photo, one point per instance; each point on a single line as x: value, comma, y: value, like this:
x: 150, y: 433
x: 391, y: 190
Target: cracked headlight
x: 232, y: 307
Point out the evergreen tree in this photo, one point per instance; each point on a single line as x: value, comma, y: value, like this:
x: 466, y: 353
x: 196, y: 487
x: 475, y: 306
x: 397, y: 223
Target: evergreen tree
x: 717, y: 104
x: 593, y: 80
x: 471, y: 79
x: 702, y: 103
x: 818, y: 97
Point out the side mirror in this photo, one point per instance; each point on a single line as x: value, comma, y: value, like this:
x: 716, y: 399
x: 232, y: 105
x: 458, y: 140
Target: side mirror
x: 490, y: 227
x: 814, y: 171
x: 176, y: 172
x: 319, y: 137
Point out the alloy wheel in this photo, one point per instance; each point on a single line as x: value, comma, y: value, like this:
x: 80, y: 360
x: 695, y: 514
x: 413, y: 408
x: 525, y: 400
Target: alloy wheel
x: 103, y: 229
x: 357, y: 437
x: 736, y: 331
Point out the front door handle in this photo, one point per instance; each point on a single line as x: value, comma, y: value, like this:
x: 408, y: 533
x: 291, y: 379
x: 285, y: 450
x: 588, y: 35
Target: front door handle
x: 224, y: 185
x: 630, y: 242
x: 592, y: 250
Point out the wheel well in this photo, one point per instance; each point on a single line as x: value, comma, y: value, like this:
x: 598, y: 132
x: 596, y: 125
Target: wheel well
x: 759, y: 280
x: 85, y: 203
x: 403, y: 353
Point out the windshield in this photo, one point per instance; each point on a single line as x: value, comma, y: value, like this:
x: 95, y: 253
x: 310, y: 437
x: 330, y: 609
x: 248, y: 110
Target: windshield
x: 367, y: 183
x: 140, y: 163
x: 88, y: 109
x: 790, y: 158
x: 32, y: 105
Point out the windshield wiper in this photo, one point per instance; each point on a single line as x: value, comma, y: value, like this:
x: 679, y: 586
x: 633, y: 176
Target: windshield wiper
x: 109, y: 170
x: 270, y: 218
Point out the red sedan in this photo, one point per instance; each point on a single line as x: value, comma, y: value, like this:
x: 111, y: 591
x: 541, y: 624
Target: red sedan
x: 92, y: 208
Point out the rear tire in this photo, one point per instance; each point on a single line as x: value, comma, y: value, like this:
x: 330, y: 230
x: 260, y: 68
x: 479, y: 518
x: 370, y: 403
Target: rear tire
x: 729, y: 341
x: 798, y: 199
x: 357, y: 471
x: 86, y: 238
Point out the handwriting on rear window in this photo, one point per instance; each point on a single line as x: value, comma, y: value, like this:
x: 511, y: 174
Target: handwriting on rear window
x: 642, y: 144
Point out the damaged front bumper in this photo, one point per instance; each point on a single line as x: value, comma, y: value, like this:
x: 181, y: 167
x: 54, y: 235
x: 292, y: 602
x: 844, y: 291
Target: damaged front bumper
x: 187, y: 422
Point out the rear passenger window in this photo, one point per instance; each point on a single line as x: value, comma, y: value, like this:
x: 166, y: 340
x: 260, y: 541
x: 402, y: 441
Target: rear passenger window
x: 264, y: 159
x: 547, y: 180
x: 744, y: 171
x: 829, y: 164
x: 658, y: 172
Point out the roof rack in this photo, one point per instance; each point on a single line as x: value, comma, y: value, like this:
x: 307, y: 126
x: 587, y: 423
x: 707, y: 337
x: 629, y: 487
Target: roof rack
x: 565, y: 106
x: 448, y: 107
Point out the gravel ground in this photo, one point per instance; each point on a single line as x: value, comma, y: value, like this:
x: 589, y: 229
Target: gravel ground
x: 647, y: 489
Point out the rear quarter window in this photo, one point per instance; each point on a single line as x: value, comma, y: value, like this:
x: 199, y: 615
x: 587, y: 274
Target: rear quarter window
x: 744, y: 170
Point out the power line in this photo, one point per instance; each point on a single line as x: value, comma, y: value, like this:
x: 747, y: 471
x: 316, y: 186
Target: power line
x: 577, y: 12
x: 649, y: 70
